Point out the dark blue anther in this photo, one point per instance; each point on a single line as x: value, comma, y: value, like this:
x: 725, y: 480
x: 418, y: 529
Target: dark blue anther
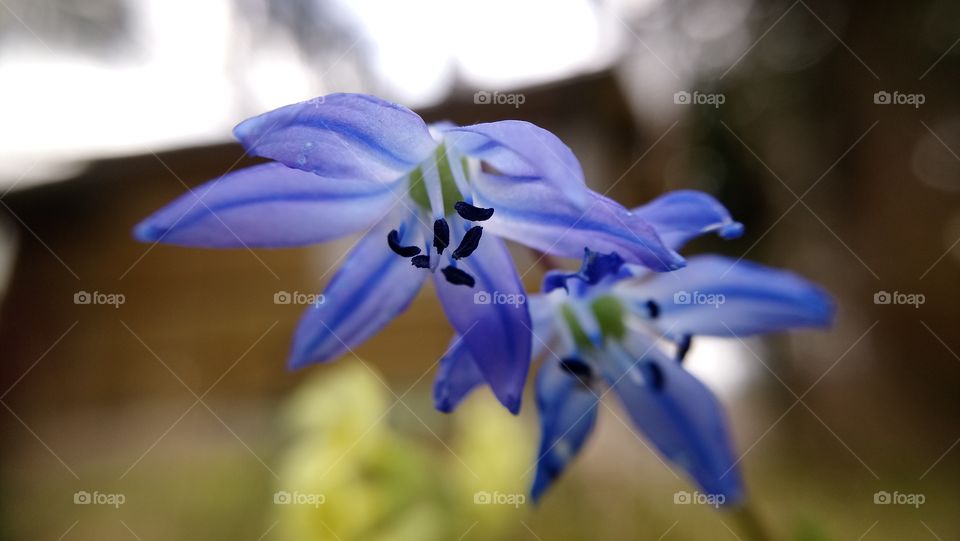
x: 471, y: 239
x: 655, y: 378
x: 654, y: 309
x: 393, y: 239
x: 457, y: 277
x: 683, y: 347
x: 578, y: 369
x: 441, y: 235
x: 420, y: 261
x: 471, y: 213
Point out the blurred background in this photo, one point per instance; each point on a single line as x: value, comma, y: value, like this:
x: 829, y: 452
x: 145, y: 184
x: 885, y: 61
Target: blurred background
x: 163, y: 409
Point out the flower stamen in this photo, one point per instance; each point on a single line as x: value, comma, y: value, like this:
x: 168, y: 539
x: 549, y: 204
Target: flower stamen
x: 683, y: 347
x: 578, y: 369
x: 471, y: 213
x: 441, y: 235
x: 469, y: 242
x: 655, y: 378
x: 393, y: 239
x: 420, y: 261
x: 457, y: 276
x: 653, y: 309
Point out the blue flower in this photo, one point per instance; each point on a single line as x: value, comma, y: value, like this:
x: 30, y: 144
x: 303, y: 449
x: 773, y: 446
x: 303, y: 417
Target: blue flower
x: 430, y: 200
x: 613, y: 326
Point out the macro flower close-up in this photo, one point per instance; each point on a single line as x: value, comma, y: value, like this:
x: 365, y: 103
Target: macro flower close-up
x: 617, y: 324
x: 329, y: 270
x: 354, y: 163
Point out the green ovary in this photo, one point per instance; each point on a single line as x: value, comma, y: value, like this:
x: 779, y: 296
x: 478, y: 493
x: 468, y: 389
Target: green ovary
x: 609, y: 313
x: 448, y: 186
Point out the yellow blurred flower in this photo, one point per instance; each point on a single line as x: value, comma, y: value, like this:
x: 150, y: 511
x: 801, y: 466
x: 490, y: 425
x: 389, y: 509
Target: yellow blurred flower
x: 350, y: 474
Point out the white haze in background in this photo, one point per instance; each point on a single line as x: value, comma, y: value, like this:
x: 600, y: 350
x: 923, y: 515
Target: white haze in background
x: 197, y: 71
x: 191, y: 78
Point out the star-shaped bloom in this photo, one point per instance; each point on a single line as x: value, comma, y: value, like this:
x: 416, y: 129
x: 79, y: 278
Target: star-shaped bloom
x: 430, y: 201
x: 613, y: 326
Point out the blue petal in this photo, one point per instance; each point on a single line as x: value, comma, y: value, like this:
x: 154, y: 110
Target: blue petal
x: 538, y: 215
x: 524, y: 151
x: 348, y: 136
x: 498, y: 336
x: 682, y: 215
x: 568, y: 413
x: 681, y: 417
x: 457, y: 376
x: 267, y: 205
x: 373, y: 286
x: 542, y: 315
x: 719, y: 296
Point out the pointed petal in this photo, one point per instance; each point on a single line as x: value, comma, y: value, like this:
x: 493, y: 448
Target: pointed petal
x: 496, y: 335
x: 373, y: 286
x: 535, y: 214
x: 267, y: 205
x: 457, y: 376
x: 682, y: 418
x: 522, y: 150
x: 568, y: 413
x: 347, y: 136
x: 720, y: 296
x: 682, y: 215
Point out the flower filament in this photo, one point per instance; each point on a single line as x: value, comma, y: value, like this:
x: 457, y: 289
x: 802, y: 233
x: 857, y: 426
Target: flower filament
x: 438, y: 187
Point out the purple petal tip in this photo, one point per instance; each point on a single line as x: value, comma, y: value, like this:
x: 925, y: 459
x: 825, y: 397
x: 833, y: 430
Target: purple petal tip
x: 146, y: 231
x: 732, y: 230
x: 512, y: 403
